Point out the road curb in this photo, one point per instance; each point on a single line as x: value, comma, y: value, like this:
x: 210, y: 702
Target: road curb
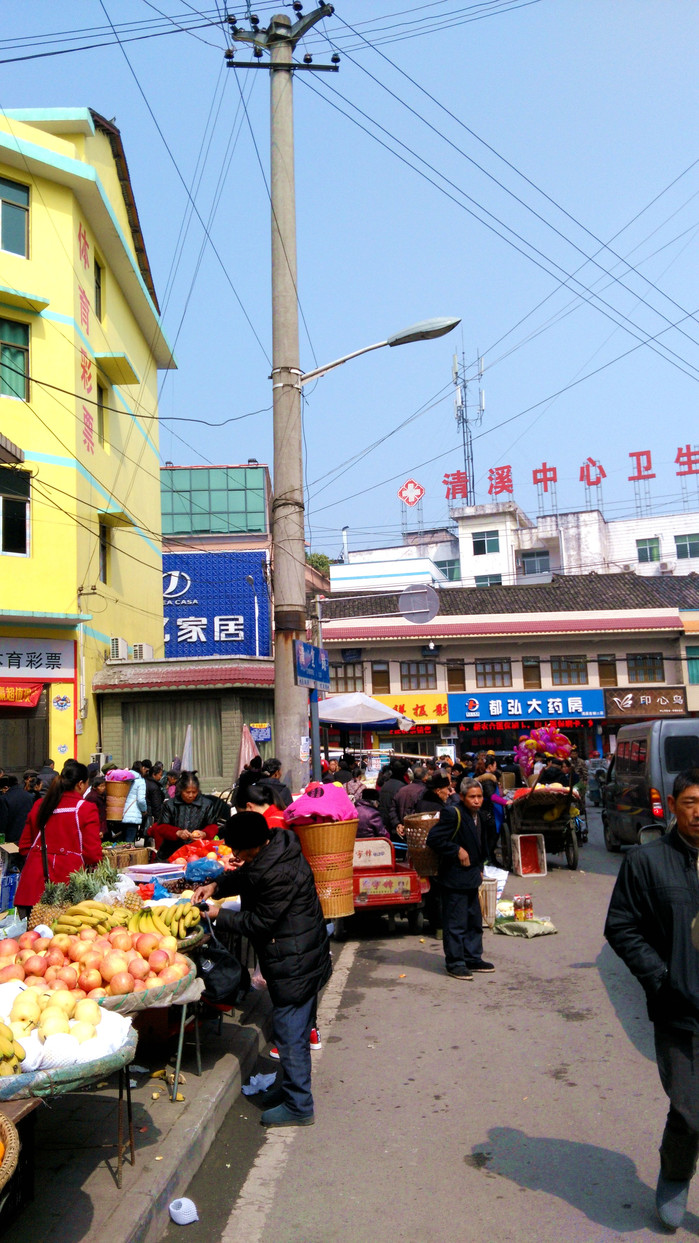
x: 141, y: 1215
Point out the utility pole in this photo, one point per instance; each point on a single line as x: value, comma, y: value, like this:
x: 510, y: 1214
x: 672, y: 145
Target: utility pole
x: 279, y: 39
x: 465, y: 421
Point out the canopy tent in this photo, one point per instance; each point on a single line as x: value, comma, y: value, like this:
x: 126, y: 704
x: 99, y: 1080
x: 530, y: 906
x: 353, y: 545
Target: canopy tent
x: 360, y: 710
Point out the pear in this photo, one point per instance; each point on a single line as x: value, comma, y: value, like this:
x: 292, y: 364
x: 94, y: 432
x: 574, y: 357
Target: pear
x: 53, y: 1021
x: 25, y: 1009
x: 82, y: 1032
x: 87, y: 1011
x: 64, y: 1000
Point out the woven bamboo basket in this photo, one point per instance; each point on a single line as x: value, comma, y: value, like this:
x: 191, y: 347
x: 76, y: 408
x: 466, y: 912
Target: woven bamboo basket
x: 417, y: 826
x: 10, y: 1138
x: 329, y: 848
x: 127, y: 856
x: 488, y: 898
x: 117, y: 792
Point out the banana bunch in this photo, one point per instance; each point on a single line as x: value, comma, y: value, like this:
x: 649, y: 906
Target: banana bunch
x: 91, y: 914
x: 11, y: 1052
x: 180, y: 920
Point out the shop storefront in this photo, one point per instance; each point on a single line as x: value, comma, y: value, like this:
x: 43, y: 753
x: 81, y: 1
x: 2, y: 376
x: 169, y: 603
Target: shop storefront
x: 38, y: 701
x: 495, y: 719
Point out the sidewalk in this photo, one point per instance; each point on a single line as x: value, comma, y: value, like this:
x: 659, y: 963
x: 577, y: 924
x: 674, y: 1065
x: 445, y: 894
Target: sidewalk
x: 76, y: 1197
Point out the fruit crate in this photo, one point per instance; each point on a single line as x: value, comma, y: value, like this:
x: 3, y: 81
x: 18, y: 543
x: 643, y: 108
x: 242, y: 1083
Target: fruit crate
x: 122, y: 857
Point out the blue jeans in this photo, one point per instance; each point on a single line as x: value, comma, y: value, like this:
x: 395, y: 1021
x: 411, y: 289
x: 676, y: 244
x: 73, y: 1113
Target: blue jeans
x: 130, y: 832
x: 292, y: 1027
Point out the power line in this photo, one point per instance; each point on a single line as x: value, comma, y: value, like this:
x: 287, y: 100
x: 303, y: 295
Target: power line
x: 89, y: 47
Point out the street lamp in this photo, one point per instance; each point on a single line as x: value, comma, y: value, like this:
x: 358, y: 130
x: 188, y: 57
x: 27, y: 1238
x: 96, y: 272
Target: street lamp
x: 249, y: 579
x: 426, y: 330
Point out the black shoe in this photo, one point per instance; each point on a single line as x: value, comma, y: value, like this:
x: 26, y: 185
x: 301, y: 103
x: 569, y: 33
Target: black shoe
x: 459, y: 973
x: 481, y: 965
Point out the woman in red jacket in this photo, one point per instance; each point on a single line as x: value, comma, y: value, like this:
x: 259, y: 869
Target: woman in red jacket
x: 265, y: 800
x: 71, y: 829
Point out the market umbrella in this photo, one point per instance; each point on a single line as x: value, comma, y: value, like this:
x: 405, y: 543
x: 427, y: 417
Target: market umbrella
x: 187, y: 752
x: 360, y: 710
x: 248, y: 749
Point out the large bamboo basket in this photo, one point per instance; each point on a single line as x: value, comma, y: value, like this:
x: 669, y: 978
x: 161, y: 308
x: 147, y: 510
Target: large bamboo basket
x: 417, y: 826
x: 10, y: 1138
x: 127, y: 856
x: 117, y: 792
x: 329, y: 848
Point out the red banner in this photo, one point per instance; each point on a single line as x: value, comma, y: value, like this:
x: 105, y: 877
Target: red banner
x: 20, y: 694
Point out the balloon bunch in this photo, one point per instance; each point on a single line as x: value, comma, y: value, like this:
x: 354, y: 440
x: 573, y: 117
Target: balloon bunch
x: 547, y: 739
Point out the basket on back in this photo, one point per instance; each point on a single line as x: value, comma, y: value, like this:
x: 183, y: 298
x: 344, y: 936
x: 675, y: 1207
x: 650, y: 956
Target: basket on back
x: 417, y: 825
x: 329, y: 848
x: 117, y: 792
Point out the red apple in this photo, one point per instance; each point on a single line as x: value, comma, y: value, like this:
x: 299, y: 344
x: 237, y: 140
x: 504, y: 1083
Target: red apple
x: 119, y: 934
x: 35, y: 981
x: 90, y: 960
x: 79, y: 949
x: 35, y: 965
x: 158, y: 960
x: 28, y: 940
x: 139, y: 986
x: 61, y: 941
x: 41, y: 945
x: 121, y: 983
x: 9, y: 947
x: 152, y: 981
x: 79, y: 994
x: 69, y: 975
x: 55, y: 957
x: 90, y: 979
x: 13, y: 971
x: 170, y: 975
x: 97, y: 993
x: 112, y: 964
x: 146, y: 943
x: 88, y: 934
x: 59, y: 985
x: 139, y: 968
x: 24, y: 955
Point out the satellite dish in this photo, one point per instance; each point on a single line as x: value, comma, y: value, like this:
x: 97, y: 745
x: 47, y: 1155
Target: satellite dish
x: 419, y: 604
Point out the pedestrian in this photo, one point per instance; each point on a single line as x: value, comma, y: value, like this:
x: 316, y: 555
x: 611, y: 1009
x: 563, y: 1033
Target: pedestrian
x: 458, y: 839
x: 62, y: 835
x: 154, y: 794
x: 356, y: 785
x: 46, y: 774
x: 649, y: 925
x: 400, y: 776
x: 266, y: 802
x: 436, y: 793
x: 16, y: 804
x: 368, y: 814
x: 97, y: 794
x: 407, y: 796
x: 249, y: 775
x: 185, y: 818
x: 281, y: 914
x: 135, y: 806
x: 272, y: 776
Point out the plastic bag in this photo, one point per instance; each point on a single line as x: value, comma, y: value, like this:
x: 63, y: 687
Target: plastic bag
x: 202, y: 871
x: 321, y: 803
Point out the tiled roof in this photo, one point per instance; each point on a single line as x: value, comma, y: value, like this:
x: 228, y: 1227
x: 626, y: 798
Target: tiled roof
x: 166, y: 675
x: 565, y: 593
x: 618, y: 623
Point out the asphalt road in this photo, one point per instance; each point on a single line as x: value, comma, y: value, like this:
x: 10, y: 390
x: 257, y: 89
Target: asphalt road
x: 522, y: 1105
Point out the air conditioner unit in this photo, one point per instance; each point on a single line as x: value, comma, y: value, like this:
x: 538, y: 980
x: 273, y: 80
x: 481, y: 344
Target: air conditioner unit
x: 626, y: 567
x: 447, y: 733
x: 664, y: 567
x: 142, y: 651
x: 118, y: 649
x: 101, y: 758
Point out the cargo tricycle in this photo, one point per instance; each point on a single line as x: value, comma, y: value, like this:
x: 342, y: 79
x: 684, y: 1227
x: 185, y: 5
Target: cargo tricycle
x: 384, y: 885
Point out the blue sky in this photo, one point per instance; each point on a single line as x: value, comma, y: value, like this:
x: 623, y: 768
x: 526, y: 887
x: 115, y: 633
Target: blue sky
x: 594, y: 102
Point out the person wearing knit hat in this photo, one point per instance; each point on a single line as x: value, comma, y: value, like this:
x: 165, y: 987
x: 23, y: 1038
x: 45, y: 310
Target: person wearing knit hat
x: 281, y: 914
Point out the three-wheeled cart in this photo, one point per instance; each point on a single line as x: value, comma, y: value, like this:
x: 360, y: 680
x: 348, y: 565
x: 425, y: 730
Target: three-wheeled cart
x: 553, y: 813
x: 384, y: 885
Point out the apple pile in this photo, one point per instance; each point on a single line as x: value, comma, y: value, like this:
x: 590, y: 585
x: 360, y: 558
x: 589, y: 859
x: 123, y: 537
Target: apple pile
x: 89, y: 965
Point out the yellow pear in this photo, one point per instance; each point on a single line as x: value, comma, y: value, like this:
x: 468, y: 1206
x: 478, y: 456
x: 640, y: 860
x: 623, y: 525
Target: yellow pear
x: 87, y: 1011
x: 53, y: 1021
x: 82, y: 1031
x: 25, y: 1008
x: 65, y: 1002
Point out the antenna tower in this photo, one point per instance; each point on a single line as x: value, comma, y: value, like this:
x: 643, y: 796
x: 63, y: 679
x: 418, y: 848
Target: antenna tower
x: 467, y: 417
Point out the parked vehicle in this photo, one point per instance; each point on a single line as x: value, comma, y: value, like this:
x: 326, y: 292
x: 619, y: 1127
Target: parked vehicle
x: 648, y: 758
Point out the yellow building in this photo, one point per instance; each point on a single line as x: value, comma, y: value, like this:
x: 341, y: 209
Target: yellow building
x: 80, y: 348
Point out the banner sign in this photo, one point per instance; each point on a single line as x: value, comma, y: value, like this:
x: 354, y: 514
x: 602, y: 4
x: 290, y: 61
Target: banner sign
x: 261, y: 732
x: 311, y: 666
x: 45, y: 658
x: 211, y: 609
x: 642, y: 701
x: 509, y: 705
x: 20, y: 694
x: 426, y: 707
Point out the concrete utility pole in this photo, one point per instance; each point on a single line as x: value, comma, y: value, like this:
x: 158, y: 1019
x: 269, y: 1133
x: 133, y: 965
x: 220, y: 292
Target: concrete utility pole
x: 288, y: 543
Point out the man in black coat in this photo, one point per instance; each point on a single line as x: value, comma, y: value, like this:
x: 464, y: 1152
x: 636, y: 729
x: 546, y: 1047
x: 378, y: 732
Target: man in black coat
x: 281, y: 914
x: 389, y: 789
x: 458, y: 839
x: 651, y: 924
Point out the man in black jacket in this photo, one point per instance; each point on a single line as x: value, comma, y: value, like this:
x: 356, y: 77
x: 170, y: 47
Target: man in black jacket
x: 458, y: 839
x: 389, y: 789
x: 281, y: 915
x: 649, y: 925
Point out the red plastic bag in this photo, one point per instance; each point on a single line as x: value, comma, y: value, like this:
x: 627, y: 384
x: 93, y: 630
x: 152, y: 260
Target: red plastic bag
x: 319, y: 803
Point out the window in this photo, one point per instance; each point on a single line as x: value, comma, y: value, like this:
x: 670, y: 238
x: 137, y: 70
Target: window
x: 14, y: 359
x: 418, y: 675
x: 450, y: 569
x: 569, y: 670
x: 687, y: 546
x: 493, y: 673
x: 485, y: 541
x: 14, y: 217
x: 693, y: 665
x: 681, y: 752
x: 648, y: 549
x: 488, y: 580
x: 531, y: 673
x: 606, y: 666
x: 101, y: 433
x: 345, y: 678
x: 536, y: 562
x: 14, y: 511
x: 213, y: 501
x: 99, y: 271
x: 646, y: 668
x: 104, y: 552
x: 456, y: 676
x: 380, y: 678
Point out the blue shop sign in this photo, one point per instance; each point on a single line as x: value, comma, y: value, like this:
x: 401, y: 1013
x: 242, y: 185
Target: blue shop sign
x: 564, y: 703
x: 311, y: 666
x: 210, y: 607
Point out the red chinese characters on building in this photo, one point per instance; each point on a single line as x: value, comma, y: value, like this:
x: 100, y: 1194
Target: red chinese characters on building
x: 643, y: 464
x: 83, y: 247
x: 688, y: 459
x: 544, y: 475
x: 86, y: 371
x: 592, y: 473
x: 456, y: 484
x: 84, y: 309
x: 88, y: 430
x: 500, y: 480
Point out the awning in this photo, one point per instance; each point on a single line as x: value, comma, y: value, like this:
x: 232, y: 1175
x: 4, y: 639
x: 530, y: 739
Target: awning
x: 358, y: 709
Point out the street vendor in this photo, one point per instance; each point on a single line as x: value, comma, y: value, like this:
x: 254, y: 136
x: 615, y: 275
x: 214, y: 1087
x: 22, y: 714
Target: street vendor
x: 281, y: 914
x: 187, y: 817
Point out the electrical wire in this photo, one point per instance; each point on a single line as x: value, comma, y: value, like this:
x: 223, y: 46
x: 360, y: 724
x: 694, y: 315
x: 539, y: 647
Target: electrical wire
x: 89, y: 47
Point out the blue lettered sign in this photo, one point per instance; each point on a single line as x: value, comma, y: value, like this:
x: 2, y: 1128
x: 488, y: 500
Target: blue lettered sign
x: 311, y: 666
x: 508, y: 705
x: 211, y: 609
